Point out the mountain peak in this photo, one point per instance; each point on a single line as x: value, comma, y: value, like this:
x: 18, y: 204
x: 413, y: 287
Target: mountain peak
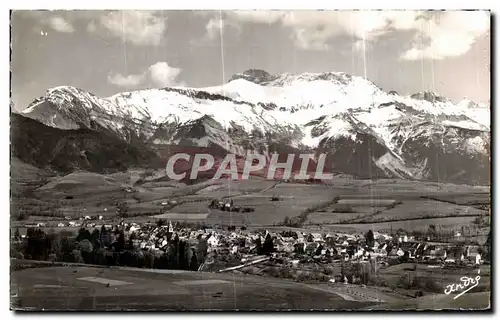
x: 429, y: 96
x: 257, y: 76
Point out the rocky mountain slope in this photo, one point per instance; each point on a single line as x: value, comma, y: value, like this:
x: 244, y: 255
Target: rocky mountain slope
x: 364, y: 130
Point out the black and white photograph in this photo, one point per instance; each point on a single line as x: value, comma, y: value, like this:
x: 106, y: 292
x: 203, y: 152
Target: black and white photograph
x: 250, y: 160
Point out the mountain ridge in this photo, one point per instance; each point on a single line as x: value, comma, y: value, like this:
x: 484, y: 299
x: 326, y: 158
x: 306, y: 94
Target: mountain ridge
x: 333, y: 112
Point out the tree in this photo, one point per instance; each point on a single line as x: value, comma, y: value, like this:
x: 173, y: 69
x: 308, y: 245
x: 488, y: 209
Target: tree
x: 22, y: 216
x: 286, y: 221
x: 202, y: 249
x: 122, y: 209
x: 488, y: 240
x: 105, y: 237
x: 309, y: 238
x: 120, y: 242
x: 17, y: 235
x: 95, y: 237
x: 77, y: 256
x: 182, y: 256
x: 268, y: 245
x: 258, y: 245
x: 38, y: 245
x: 130, y: 244
x: 364, y: 272
x: 85, y: 246
x: 370, y: 239
x: 83, y: 234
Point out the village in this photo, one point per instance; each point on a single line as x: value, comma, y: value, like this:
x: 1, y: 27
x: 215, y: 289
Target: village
x: 285, y: 252
x: 295, y: 245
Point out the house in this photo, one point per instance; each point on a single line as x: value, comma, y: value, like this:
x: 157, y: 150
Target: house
x: 380, y: 251
x: 440, y: 254
x: 300, y: 247
x: 212, y: 241
x: 311, y: 248
x: 473, y: 255
x: 317, y: 237
x: 134, y: 228
x: 420, y: 250
x: 381, y: 236
x: 453, y: 257
x: 396, y: 253
x: 60, y: 224
x: 359, y: 253
x: 411, y: 248
x: 164, y: 243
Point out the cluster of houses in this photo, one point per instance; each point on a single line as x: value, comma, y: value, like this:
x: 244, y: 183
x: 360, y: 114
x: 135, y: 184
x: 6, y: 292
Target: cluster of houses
x: 294, y: 246
x: 84, y: 221
x: 229, y: 206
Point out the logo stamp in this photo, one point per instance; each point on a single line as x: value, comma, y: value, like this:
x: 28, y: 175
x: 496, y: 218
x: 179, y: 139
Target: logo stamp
x: 467, y: 284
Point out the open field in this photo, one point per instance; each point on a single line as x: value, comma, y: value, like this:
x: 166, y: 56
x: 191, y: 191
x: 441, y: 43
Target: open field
x: 81, y: 288
x: 227, y: 188
x: 375, y: 204
x: 424, y: 208
x: 407, y: 210
x: 453, y: 223
x: 359, y: 213
x: 468, y: 301
x: 351, y: 210
x: 401, y: 187
x: 367, y: 202
x: 462, y: 199
x: 182, y: 216
x: 268, y: 212
x: 440, y: 277
x: 193, y: 207
x: 224, y: 218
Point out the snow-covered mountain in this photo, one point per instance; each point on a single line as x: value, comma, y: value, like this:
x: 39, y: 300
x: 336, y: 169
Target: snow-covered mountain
x: 365, y: 131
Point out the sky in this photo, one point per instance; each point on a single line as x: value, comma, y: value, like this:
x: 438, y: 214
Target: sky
x: 107, y: 52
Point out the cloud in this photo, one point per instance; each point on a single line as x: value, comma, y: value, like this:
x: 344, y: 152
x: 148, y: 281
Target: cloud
x: 215, y: 25
x: 60, y: 24
x: 448, y: 33
x: 160, y: 73
x: 125, y: 81
x: 451, y: 35
x: 164, y: 75
x: 48, y: 19
x: 213, y: 28
x: 138, y: 27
